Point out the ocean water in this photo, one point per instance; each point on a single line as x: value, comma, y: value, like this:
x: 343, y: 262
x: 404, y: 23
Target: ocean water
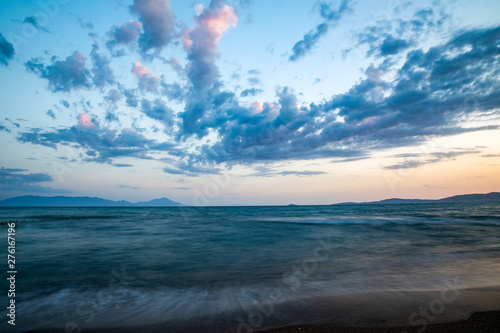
x: 87, y: 268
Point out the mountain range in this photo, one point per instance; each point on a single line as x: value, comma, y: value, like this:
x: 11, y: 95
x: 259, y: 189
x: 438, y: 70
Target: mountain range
x: 465, y: 198
x: 64, y: 201
x: 58, y: 201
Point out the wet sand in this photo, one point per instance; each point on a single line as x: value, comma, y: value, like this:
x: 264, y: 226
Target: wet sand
x: 473, y: 310
x: 481, y: 322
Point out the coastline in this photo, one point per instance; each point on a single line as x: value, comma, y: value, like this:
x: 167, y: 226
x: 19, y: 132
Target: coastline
x: 475, y: 310
x: 479, y: 322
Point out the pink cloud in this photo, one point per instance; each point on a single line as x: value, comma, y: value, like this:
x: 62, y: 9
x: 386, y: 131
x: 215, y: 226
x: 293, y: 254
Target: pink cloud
x: 210, y: 25
x: 146, y: 80
x: 85, y: 121
x: 257, y: 106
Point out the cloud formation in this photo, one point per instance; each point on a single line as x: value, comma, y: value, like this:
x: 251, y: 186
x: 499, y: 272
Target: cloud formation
x: 330, y: 18
x: 62, y: 75
x: 101, y: 144
x: 432, y: 92
x: 102, y: 72
x: 409, y: 93
x: 393, y: 36
x: 146, y: 80
x: 6, y: 51
x: 158, y: 23
x: 158, y: 110
x: 31, y: 20
x: 19, y: 180
x: 416, y: 160
x: 125, y: 35
x: 202, y: 46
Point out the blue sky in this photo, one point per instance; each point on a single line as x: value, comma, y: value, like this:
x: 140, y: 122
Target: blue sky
x: 249, y: 102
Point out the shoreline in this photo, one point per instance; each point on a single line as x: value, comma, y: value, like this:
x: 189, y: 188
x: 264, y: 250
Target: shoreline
x: 475, y: 310
x: 478, y: 322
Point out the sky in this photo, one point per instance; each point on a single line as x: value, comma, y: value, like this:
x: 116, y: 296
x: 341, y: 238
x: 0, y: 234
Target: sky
x: 248, y: 102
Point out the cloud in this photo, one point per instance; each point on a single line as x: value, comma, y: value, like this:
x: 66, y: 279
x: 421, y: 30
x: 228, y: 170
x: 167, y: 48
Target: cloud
x: 157, y: 20
x: 6, y: 51
x: 122, y: 165
x: 63, y: 75
x: 175, y: 64
x: 416, y: 160
x: 102, y: 72
x: 51, y: 114
x: 101, y: 144
x: 65, y: 103
x: 250, y: 92
x: 174, y: 91
x: 392, y: 37
x: 158, y: 111
x: 191, y: 169
x: 5, y: 129
x: 330, y: 18
x: 129, y: 187
x: 125, y: 35
x: 146, y: 80
x: 391, y: 46
x: 267, y: 172
x: 130, y: 96
x: 202, y: 46
x: 432, y: 93
x: 31, y: 20
x: 20, y: 181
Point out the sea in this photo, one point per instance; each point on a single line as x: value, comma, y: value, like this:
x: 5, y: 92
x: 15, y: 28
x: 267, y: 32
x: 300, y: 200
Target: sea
x: 239, y: 269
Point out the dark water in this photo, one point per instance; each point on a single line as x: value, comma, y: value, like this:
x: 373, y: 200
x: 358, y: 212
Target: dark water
x: 127, y: 267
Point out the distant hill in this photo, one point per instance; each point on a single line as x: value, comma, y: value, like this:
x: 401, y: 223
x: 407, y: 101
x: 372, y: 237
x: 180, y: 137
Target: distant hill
x: 63, y: 201
x: 465, y: 198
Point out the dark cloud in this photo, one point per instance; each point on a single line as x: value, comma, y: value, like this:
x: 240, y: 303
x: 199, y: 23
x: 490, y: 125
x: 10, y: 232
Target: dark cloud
x: 31, y: 20
x: 191, y: 169
x: 20, y: 181
x: 392, y: 46
x: 173, y: 171
x: 147, y: 81
x: 129, y: 187
x: 51, y: 114
x: 391, y: 37
x: 250, y: 92
x: 416, y: 160
x: 267, y: 172
x: 62, y: 75
x: 431, y: 95
x: 202, y: 46
x: 174, y: 91
x: 124, y: 36
x: 6, y: 51
x: 85, y: 25
x: 113, y: 96
x: 65, y: 103
x: 175, y: 64
x: 13, y: 123
x: 158, y: 110
x: 130, y: 96
x: 253, y: 81
x: 102, y: 74
x: 330, y: 18
x: 101, y: 144
x: 158, y: 23
x: 5, y: 129
x: 122, y: 165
